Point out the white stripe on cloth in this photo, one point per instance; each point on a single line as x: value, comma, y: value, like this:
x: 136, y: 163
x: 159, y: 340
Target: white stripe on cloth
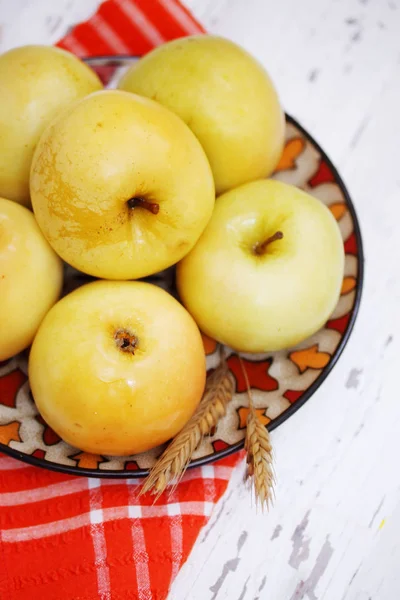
x: 210, y: 472
x: 74, y: 486
x: 140, y: 555
x: 140, y: 20
x: 99, y: 539
x: 109, y: 35
x: 197, y: 508
x: 43, y: 493
x: 71, y: 43
x: 181, y: 16
x: 23, y: 534
x: 7, y: 464
x: 35, y: 532
x: 176, y: 532
x: 207, y: 472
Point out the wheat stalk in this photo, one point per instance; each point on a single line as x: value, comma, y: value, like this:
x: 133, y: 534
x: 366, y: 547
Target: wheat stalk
x: 259, y: 452
x: 175, y: 459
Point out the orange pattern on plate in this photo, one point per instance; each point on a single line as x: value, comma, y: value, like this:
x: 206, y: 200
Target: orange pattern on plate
x: 10, y: 432
x: 310, y: 358
x: 338, y: 209
x: 209, y: 344
x: 349, y: 283
x: 243, y: 412
x: 291, y: 152
x: 88, y: 461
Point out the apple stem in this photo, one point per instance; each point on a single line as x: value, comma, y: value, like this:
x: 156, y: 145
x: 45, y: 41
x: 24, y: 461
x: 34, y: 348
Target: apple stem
x: 261, y: 248
x: 125, y: 341
x: 143, y: 203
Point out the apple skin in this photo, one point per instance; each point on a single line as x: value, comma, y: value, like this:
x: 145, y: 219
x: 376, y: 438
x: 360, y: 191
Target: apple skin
x: 260, y: 303
x: 224, y: 95
x: 102, y: 399
x: 31, y: 276
x: 37, y: 82
x: 109, y: 148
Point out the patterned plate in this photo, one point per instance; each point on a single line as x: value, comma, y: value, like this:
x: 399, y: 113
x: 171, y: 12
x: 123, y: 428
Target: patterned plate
x: 281, y: 381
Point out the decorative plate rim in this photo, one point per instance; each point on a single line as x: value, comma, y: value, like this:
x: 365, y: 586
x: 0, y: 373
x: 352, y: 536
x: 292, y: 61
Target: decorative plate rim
x: 288, y: 412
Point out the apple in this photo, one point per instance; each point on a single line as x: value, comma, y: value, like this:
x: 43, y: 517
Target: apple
x: 31, y: 276
x: 267, y: 271
x: 224, y: 95
x: 117, y: 368
x: 120, y: 186
x: 37, y: 82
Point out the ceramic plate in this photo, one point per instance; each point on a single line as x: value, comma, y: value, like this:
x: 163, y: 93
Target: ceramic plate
x: 281, y: 381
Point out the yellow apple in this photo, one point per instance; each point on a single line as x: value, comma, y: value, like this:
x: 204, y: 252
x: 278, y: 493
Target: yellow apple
x: 36, y: 82
x: 267, y: 271
x: 120, y: 186
x: 224, y: 95
x: 31, y: 277
x: 117, y: 367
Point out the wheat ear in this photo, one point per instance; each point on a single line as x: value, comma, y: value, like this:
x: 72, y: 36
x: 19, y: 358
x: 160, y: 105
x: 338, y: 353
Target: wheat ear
x: 175, y: 459
x: 259, y: 452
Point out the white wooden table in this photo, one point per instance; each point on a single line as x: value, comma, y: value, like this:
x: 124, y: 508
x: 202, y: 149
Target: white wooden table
x: 333, y: 533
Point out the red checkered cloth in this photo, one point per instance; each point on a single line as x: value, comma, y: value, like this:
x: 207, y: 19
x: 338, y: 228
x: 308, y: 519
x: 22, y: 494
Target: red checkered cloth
x: 70, y: 538
x: 73, y: 538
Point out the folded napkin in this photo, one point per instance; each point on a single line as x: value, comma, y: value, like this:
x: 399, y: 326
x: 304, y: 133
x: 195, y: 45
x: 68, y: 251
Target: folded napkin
x: 73, y: 538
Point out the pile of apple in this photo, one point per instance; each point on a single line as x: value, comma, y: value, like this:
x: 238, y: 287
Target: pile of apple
x: 123, y: 184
